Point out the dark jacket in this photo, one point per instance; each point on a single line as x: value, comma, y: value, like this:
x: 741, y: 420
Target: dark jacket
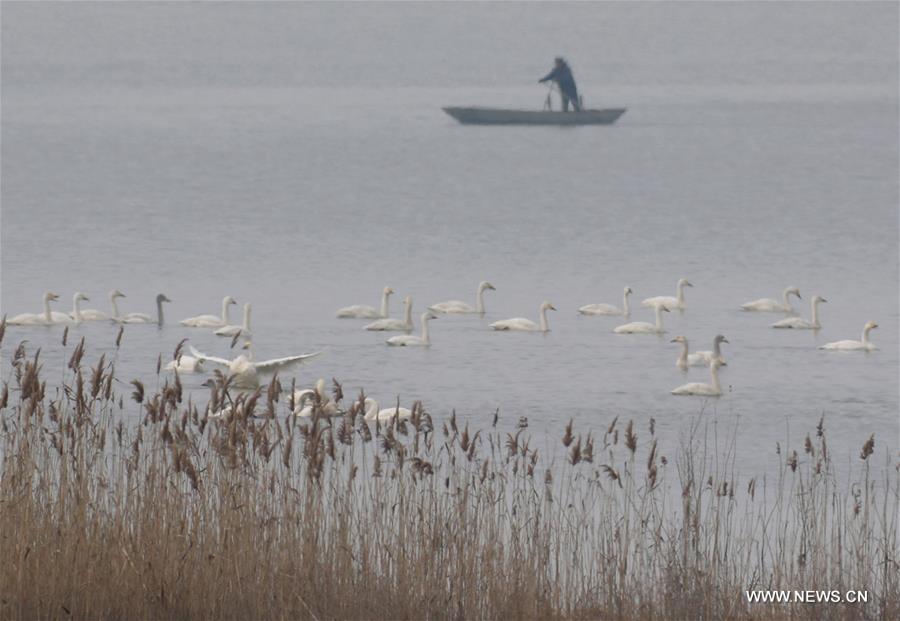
x: 562, y: 75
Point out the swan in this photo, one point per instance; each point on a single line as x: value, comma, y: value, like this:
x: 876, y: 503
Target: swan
x: 211, y: 321
x: 361, y: 311
x: 801, y: 324
x: 526, y: 325
x: 395, y: 325
x: 409, y: 340
x: 863, y: 345
x: 304, y: 401
x: 459, y: 307
x: 686, y: 359
x: 141, y: 317
x: 373, y: 413
x: 186, y: 364
x: 642, y: 327
x: 608, y: 309
x: 232, y: 330
x: 768, y: 305
x: 245, y: 372
x: 700, y: 389
x: 44, y: 318
x: 716, y: 353
x: 92, y: 314
x: 75, y: 315
x: 668, y: 302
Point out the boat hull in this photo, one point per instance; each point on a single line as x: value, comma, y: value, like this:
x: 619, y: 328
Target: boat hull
x: 500, y: 116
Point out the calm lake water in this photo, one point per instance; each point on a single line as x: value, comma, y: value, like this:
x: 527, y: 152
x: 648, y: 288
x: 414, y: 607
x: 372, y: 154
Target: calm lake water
x: 296, y: 156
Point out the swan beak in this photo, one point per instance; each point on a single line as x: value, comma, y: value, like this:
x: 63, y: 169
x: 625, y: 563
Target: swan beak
x: 687, y: 284
x: 53, y: 296
x: 822, y: 300
x: 674, y: 341
x: 726, y: 341
x: 552, y: 307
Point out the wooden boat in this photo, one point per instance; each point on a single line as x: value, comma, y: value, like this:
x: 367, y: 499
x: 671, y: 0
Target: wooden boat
x: 500, y: 116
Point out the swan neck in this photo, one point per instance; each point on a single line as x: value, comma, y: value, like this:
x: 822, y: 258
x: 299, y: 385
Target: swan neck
x: 865, y: 335
x: 544, y: 326
x: 247, y: 318
x: 479, y: 301
x: 425, y: 337
x: 225, y: 311
x: 408, y: 315
x: 680, y: 293
x: 384, y: 303
x: 159, y: 313
x: 717, y: 351
x: 372, y: 410
x: 684, y: 352
x: 714, y: 371
x: 815, y: 313
x: 47, y: 316
x: 115, y: 307
x: 626, y: 310
x: 659, y: 325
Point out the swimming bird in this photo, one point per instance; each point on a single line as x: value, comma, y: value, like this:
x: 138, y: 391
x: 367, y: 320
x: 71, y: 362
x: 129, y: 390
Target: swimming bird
x: 768, y: 305
x: 245, y: 372
x: 395, y: 325
x: 232, y: 330
x: 685, y: 358
x: 373, y: 413
x: 850, y: 345
x: 33, y: 319
x: 608, y: 309
x: 669, y: 302
x: 409, y: 340
x: 75, y: 315
x: 459, y: 307
x: 211, y: 321
x: 703, y: 390
x: 186, y: 364
x: 798, y: 323
x: 92, y: 314
x: 361, y: 311
x: 141, y: 317
x: 526, y: 325
x: 716, y: 354
x: 304, y: 402
x: 643, y: 327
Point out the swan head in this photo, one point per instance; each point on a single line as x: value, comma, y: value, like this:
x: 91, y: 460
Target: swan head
x: 720, y: 338
x: 229, y: 300
x: 715, y: 364
x: 547, y: 306
x: 679, y: 339
x: 162, y: 298
x: 79, y: 296
x: 387, y: 291
x: 628, y: 291
x: 50, y: 296
x: 684, y: 283
x: 115, y: 293
x: 210, y: 383
x: 486, y: 285
x: 870, y: 325
x: 407, y: 301
x: 247, y: 345
x: 320, y: 388
x: 793, y: 291
x: 428, y: 316
x: 818, y: 299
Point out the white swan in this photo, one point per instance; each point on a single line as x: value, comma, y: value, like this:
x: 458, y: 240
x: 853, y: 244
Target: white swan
x: 685, y: 358
x: 526, y: 325
x: 304, y: 402
x: 409, y: 340
x: 395, y: 325
x: 642, y: 327
x: 92, y: 314
x: 141, y: 317
x: 75, y: 315
x: 361, y: 311
x: 36, y: 319
x: 232, y: 330
x: 768, y: 305
x: 700, y: 389
x: 716, y: 353
x: 373, y: 413
x: 458, y: 307
x: 186, y: 364
x: 798, y: 323
x: 608, y: 309
x: 670, y: 303
x: 211, y: 321
x: 863, y: 345
x: 245, y: 372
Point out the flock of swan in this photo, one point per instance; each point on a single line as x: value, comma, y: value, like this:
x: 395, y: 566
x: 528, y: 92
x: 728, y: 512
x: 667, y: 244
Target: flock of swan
x: 245, y: 372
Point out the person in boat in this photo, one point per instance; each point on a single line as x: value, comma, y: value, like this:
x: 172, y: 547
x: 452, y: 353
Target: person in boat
x: 562, y: 75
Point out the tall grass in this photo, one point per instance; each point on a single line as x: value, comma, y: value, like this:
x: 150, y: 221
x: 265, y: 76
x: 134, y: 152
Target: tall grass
x: 134, y: 503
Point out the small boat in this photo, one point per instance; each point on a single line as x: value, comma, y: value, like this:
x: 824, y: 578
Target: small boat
x: 500, y: 116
